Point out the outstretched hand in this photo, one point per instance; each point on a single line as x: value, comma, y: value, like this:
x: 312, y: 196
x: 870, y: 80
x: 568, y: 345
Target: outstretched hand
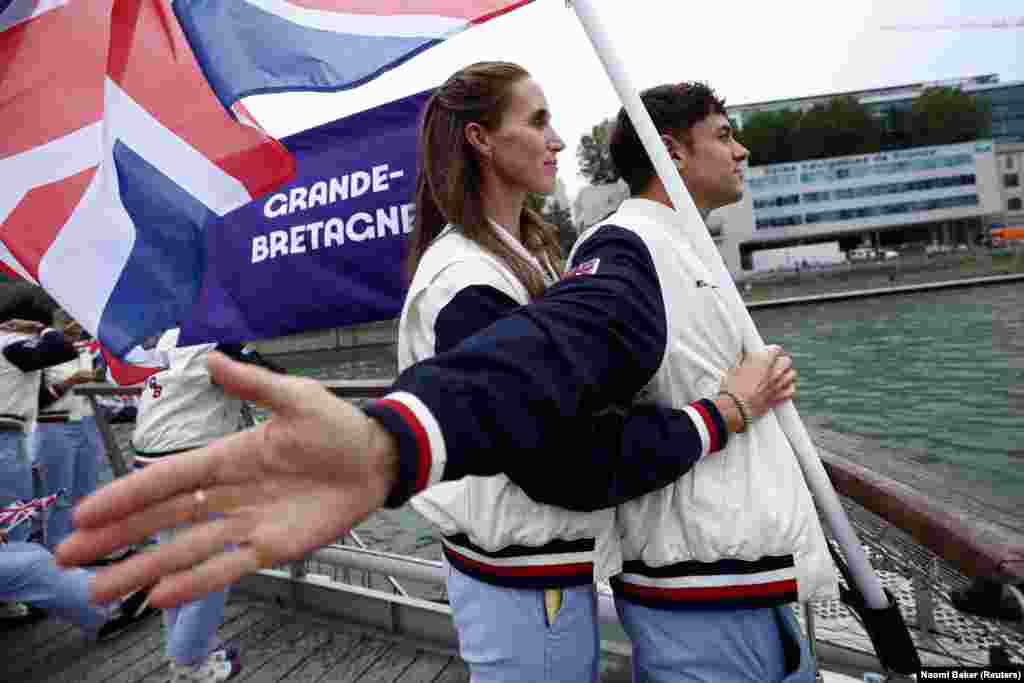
x: 296, y: 482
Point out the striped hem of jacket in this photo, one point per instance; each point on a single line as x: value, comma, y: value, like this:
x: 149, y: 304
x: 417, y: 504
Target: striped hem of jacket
x: 727, y: 584
x: 557, y: 564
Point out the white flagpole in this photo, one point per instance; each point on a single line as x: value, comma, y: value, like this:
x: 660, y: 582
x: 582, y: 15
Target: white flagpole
x: 814, y: 473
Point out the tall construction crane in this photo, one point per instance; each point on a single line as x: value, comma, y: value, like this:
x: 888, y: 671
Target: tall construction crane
x: 1005, y: 23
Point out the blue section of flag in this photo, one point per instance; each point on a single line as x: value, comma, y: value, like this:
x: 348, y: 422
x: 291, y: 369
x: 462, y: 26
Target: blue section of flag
x: 244, y: 51
x: 161, y: 280
x: 316, y: 285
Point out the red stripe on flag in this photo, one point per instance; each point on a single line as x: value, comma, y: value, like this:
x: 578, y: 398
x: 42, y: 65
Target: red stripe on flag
x: 37, y: 219
x: 501, y: 10
x: 476, y: 11
x: 424, y: 461
x: 152, y: 62
x: 124, y: 373
x: 10, y: 272
x: 52, y: 70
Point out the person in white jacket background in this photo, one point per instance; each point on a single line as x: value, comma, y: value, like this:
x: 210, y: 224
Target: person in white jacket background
x: 68, y: 442
x: 181, y: 409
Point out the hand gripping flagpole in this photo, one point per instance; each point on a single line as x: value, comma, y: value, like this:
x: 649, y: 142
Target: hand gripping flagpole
x: 814, y: 473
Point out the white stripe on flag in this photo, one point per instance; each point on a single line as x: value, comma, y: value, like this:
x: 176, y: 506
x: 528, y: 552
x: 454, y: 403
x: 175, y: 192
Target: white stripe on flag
x: 97, y: 238
x: 8, y: 260
x: 182, y: 163
x: 58, y: 159
x: 21, y: 11
x: 391, y: 26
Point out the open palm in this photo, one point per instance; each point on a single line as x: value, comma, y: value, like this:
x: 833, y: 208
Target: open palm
x: 255, y: 499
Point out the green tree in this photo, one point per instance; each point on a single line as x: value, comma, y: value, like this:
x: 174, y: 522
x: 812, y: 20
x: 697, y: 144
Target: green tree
x: 593, y: 156
x: 558, y: 215
x: 768, y: 135
x: 944, y: 116
x: 840, y: 127
x: 561, y: 217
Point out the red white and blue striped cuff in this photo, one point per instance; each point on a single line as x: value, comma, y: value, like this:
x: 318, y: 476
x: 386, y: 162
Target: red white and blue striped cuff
x: 421, y: 448
x: 710, y: 425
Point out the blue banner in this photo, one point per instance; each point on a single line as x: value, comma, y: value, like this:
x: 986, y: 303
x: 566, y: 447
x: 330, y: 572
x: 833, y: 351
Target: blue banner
x: 325, y: 250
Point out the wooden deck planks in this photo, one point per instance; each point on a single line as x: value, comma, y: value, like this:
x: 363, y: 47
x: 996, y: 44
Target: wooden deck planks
x: 455, y: 672
x: 277, y: 646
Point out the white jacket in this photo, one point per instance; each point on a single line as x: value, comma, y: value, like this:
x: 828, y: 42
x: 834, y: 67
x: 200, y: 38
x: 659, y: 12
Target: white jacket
x: 491, y: 529
x: 180, y: 407
x: 739, y: 527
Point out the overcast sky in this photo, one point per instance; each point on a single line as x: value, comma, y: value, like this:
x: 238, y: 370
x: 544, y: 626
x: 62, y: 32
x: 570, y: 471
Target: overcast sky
x: 748, y: 51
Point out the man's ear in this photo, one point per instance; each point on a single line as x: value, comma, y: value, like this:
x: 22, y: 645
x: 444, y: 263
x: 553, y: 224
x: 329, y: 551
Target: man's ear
x: 477, y: 137
x: 673, y: 146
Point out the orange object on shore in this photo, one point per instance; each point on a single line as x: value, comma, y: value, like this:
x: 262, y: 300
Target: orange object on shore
x: 1014, y: 233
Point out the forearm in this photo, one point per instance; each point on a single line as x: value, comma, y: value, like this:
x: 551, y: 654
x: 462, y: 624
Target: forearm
x: 630, y: 454
x: 50, y: 348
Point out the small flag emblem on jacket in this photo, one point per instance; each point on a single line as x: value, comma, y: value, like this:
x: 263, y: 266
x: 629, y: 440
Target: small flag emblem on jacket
x: 585, y: 268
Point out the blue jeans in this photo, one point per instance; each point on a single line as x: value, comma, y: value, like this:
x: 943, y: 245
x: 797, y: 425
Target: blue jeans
x: 15, y: 476
x: 714, y: 646
x: 29, y: 574
x: 70, y: 454
x: 192, y: 627
x: 504, y: 634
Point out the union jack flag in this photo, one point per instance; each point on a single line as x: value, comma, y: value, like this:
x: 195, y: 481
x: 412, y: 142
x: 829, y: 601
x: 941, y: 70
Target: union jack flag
x: 19, y: 512
x: 249, y: 47
x: 116, y: 158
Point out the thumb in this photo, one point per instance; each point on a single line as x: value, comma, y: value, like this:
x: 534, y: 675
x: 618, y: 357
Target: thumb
x: 252, y: 383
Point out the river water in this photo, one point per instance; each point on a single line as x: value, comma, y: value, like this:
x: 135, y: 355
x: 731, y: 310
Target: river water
x: 938, y: 375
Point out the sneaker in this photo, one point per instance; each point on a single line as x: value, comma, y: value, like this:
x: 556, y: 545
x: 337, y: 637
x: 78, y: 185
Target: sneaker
x: 221, y: 665
x: 134, y: 608
x: 13, y: 611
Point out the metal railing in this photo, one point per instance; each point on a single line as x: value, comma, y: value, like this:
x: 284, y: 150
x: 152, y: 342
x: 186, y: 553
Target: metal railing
x: 920, y: 565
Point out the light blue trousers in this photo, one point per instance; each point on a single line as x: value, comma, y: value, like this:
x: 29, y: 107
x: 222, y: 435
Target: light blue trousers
x: 714, y: 646
x: 504, y: 635
x: 192, y: 627
x: 15, y: 476
x: 29, y: 574
x: 70, y: 454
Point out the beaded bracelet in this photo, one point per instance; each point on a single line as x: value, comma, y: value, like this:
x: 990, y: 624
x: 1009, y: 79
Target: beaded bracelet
x: 741, y: 406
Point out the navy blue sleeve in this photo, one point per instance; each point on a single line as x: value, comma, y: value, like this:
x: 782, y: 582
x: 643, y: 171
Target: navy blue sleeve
x: 51, y: 348
x: 640, y: 449
x: 470, y: 311
x: 630, y: 454
x: 510, y: 398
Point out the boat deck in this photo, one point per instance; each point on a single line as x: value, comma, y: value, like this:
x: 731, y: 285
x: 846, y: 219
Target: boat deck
x: 278, y: 646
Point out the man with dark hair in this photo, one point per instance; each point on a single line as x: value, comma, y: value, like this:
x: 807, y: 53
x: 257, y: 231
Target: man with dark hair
x: 710, y: 562
x: 680, y: 108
